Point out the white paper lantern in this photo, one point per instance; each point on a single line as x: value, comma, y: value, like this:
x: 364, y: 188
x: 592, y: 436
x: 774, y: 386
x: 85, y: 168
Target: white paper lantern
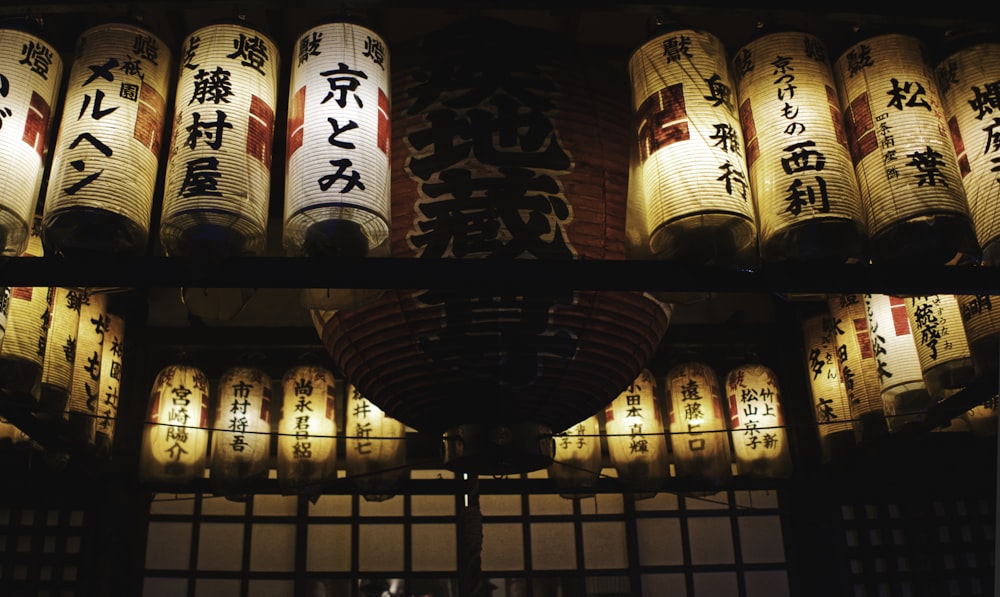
x: 858, y: 367
x: 904, y: 393
x: 637, y: 441
x: 697, y: 424
x: 981, y: 320
x: 23, y: 350
x: 85, y: 390
x: 830, y: 402
x: 803, y: 181
x: 690, y: 165
x: 30, y: 80
x: 241, y: 431
x: 942, y: 346
x: 99, y: 197
x: 60, y: 349
x: 307, y: 429
x: 966, y: 78
x: 337, y: 171
x: 218, y: 179
x: 905, y: 162
x: 111, y: 382
x: 757, y: 422
x: 175, y: 439
x: 375, y: 448
x: 576, y: 465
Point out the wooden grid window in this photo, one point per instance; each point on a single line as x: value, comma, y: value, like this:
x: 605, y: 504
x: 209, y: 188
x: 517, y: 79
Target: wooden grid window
x: 41, y: 552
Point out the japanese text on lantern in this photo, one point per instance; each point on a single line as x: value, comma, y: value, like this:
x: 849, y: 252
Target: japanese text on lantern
x: 757, y: 411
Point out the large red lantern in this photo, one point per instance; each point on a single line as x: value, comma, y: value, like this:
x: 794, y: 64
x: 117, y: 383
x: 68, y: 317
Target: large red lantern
x: 501, y: 149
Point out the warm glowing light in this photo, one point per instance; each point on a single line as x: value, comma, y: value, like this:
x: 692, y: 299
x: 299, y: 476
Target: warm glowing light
x: 175, y: 440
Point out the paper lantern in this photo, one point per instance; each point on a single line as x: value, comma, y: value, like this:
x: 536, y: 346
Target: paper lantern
x: 757, y: 422
x: 99, y: 197
x: 109, y: 391
x: 637, y: 441
x: 375, y: 448
x: 85, y: 390
x: 981, y: 321
x: 690, y: 165
x: 216, y: 304
x: 942, y: 346
x: 30, y: 80
x: 241, y: 432
x: 23, y: 350
x: 4, y: 308
x: 698, y: 435
x: 175, y: 439
x: 218, y: 179
x: 830, y: 402
x: 905, y: 162
x: 307, y: 429
x: 338, y: 137
x: 60, y: 349
x: 509, y: 366
x: 904, y: 393
x: 803, y: 181
x: 966, y: 78
x: 576, y: 466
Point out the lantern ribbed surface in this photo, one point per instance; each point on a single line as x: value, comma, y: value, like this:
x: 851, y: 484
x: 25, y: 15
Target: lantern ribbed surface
x: 967, y: 79
x: 241, y: 435
x: 307, y: 429
x: 691, y: 169
x: 110, y: 384
x: 830, y: 404
x: 23, y: 350
x: 858, y: 367
x: 697, y: 425
x: 375, y: 448
x: 99, y: 198
x: 60, y: 345
x: 981, y: 320
x: 757, y: 422
x: 942, y: 346
x: 175, y: 439
x: 215, y: 201
x: 906, y: 166
x: 576, y: 465
x: 85, y: 392
x: 32, y: 75
x: 637, y: 441
x: 501, y: 150
x: 803, y: 181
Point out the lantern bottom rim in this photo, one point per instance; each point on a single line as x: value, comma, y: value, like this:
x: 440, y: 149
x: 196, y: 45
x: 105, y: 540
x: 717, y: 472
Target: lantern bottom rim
x: 498, y: 448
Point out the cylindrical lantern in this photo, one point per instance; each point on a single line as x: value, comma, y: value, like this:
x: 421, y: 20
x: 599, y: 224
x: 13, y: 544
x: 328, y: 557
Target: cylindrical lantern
x: 904, y: 393
x: 241, y: 432
x: 909, y: 177
x: 524, y: 179
x: 803, y: 181
x: 690, y: 165
x: 60, y: 349
x: 216, y: 304
x: 637, y: 440
x: 697, y: 425
x: 757, y: 423
x: 375, y: 448
x: 858, y: 367
x: 218, y: 178
x: 967, y: 79
x: 576, y: 466
x: 4, y: 308
x: 111, y: 382
x: 338, y: 137
x: 23, y: 350
x: 175, y: 439
x: 831, y: 405
x: 942, y: 346
x: 85, y: 390
x: 307, y: 429
x: 30, y: 81
x: 981, y: 321
x: 99, y: 197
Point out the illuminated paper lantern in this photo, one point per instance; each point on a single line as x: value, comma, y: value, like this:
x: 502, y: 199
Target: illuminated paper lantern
x: 697, y: 425
x: 690, y: 166
x: 99, y: 197
x: 307, y: 429
x: 218, y: 179
x: 576, y: 465
x: 966, y: 78
x: 85, y: 390
x: 30, y: 80
x: 375, y: 448
x: 830, y: 402
x: 981, y: 321
x: 23, y: 350
x: 337, y: 145
x: 757, y: 422
x: 241, y: 432
x: 60, y: 349
x: 942, y: 346
x: 858, y: 366
x: 905, y: 161
x: 904, y: 393
x: 110, y: 384
x: 803, y: 181
x: 637, y: 440
x: 175, y: 438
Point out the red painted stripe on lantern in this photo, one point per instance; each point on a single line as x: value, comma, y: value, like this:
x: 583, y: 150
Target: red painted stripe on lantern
x: 260, y: 131
x: 36, y: 123
x: 296, y: 121
x: 148, y: 119
x: 383, y: 122
x: 900, y: 321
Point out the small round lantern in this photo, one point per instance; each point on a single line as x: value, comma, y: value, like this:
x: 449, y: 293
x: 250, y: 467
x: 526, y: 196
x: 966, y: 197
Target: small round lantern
x: 99, y: 197
x: 175, y: 439
x: 756, y: 422
x: 241, y: 433
x: 375, y: 448
x: 576, y: 466
x: 698, y: 435
x: 908, y: 174
x: 637, y: 441
x: 831, y: 405
x: 942, y: 346
x: 307, y: 428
